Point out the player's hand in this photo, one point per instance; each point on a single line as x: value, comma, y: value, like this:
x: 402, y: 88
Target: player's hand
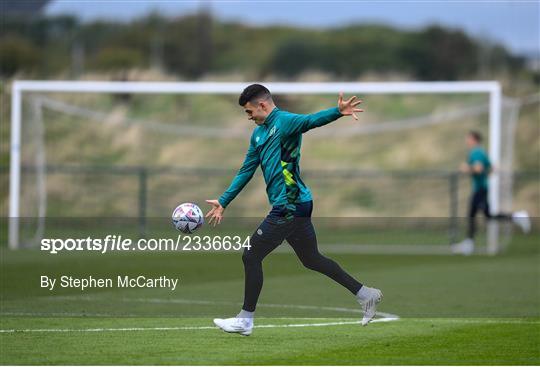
x: 216, y: 213
x: 348, y: 107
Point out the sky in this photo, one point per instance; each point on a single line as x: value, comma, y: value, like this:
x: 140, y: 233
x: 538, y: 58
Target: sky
x: 515, y: 24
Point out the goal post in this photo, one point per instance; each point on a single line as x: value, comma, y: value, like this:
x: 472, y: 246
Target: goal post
x: 19, y: 87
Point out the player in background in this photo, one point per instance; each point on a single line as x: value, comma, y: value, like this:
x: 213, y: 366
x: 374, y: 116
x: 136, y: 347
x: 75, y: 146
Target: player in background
x: 478, y: 166
x: 275, y: 146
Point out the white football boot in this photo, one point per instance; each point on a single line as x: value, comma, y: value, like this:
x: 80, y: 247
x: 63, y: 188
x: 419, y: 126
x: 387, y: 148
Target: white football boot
x: 240, y: 325
x: 369, y: 298
x: 465, y: 247
x: 522, y: 219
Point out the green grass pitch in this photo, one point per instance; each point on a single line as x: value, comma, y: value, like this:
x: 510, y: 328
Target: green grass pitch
x: 452, y: 310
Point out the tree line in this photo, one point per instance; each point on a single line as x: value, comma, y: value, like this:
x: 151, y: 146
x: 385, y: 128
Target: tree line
x: 196, y: 45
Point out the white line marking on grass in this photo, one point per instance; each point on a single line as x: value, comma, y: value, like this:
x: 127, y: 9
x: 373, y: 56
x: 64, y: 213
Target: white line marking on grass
x: 228, y: 303
x: 103, y: 315
x: 93, y: 330
x: 272, y: 305
x: 104, y: 329
x: 384, y: 315
x: 100, y: 315
x: 268, y: 326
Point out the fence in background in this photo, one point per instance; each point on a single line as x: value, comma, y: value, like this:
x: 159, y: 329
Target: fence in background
x: 454, y: 198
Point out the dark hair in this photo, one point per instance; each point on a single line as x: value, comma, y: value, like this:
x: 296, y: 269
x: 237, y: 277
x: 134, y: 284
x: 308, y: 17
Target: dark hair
x: 254, y: 92
x: 475, y: 135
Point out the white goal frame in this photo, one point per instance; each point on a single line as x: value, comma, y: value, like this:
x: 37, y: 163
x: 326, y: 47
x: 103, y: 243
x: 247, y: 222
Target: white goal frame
x: 493, y: 88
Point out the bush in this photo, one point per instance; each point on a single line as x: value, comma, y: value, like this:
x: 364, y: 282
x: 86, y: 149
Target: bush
x: 115, y: 59
x: 17, y: 54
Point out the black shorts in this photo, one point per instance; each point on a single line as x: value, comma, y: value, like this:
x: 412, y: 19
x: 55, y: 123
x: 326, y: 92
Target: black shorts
x: 278, y: 226
x: 303, y: 210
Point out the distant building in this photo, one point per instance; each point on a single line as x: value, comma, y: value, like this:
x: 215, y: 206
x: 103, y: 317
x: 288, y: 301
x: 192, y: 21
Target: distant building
x: 23, y: 9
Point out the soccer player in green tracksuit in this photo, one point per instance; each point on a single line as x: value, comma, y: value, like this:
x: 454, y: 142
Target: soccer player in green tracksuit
x: 275, y: 146
x: 478, y: 166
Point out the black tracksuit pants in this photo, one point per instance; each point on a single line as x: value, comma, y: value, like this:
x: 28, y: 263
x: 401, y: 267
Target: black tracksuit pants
x: 300, y: 234
x: 479, y: 201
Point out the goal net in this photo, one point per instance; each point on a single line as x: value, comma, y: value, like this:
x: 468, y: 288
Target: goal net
x: 134, y: 150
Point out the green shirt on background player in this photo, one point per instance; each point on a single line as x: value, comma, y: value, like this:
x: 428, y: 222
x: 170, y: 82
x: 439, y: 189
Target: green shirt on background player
x: 479, y: 177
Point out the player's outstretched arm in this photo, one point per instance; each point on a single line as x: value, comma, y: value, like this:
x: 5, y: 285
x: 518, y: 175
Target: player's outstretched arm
x: 244, y: 175
x: 304, y: 123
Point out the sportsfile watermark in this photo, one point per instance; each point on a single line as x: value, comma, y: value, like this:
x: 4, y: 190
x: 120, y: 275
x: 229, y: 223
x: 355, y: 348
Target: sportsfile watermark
x: 118, y: 242
x: 124, y: 267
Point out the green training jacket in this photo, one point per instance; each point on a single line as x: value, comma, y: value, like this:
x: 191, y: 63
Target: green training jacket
x: 275, y: 145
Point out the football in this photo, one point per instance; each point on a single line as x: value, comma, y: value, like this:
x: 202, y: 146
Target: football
x: 187, y: 217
